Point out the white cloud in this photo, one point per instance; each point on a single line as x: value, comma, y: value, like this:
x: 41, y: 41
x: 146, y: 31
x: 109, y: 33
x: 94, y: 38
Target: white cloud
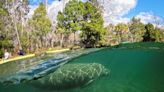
x: 31, y: 12
x: 149, y: 17
x: 115, y: 20
x: 114, y: 10
x: 54, y: 8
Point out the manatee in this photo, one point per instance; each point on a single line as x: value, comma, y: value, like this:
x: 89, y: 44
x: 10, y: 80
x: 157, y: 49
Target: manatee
x: 72, y: 75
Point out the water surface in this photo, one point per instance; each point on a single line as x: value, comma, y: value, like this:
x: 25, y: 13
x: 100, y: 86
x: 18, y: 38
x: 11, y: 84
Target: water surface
x: 132, y: 69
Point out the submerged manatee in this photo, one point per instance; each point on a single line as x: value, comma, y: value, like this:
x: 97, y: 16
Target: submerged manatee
x: 72, y: 75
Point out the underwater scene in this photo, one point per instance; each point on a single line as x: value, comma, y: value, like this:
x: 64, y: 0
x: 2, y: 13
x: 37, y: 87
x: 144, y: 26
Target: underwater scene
x: 136, y: 67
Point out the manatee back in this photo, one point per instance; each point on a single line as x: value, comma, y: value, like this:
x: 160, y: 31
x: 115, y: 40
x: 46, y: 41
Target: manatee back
x: 73, y: 75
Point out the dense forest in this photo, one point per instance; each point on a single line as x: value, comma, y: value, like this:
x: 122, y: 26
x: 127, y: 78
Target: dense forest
x: 78, y: 24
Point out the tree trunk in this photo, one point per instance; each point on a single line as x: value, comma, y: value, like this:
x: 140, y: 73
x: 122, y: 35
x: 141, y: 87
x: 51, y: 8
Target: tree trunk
x: 74, y: 38
x: 61, y: 40
x: 13, y: 17
x: 17, y: 34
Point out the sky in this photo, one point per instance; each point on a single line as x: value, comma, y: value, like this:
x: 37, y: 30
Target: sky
x: 155, y: 6
x: 116, y: 11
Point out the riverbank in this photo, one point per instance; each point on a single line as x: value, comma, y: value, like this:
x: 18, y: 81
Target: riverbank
x: 2, y: 61
x: 144, y: 45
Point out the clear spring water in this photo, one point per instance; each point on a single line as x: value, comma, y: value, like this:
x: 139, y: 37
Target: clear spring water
x: 24, y: 70
x: 133, y: 68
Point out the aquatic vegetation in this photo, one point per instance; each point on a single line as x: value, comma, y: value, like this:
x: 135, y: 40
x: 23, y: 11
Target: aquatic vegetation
x: 72, y: 75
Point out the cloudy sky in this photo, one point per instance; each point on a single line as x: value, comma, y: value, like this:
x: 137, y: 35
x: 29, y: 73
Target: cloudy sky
x: 116, y: 11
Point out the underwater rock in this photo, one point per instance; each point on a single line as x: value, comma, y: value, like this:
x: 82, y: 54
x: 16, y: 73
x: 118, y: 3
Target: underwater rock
x: 72, y: 75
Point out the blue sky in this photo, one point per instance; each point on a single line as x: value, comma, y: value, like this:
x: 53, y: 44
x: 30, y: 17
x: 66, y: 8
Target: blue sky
x: 117, y: 11
x: 36, y: 2
x: 154, y: 6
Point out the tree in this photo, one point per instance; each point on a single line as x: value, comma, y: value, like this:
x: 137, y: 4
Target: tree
x: 93, y: 31
x: 70, y: 20
x: 158, y: 35
x: 5, y: 38
x: 41, y: 25
x: 15, y: 20
x: 122, y: 31
x: 85, y: 17
x: 61, y: 27
x: 73, y: 13
x: 3, y: 14
x: 112, y: 35
x: 98, y: 4
x: 150, y: 33
x: 137, y: 30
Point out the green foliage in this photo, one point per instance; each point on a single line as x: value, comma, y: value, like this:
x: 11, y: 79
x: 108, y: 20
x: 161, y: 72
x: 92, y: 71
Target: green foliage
x: 61, y: 23
x: 119, y: 34
x: 92, y: 35
x: 153, y: 34
x: 3, y: 13
x: 1, y: 53
x: 134, y: 32
x: 159, y: 35
x: 25, y: 41
x: 137, y: 29
x: 5, y: 37
x: 5, y: 42
x: 121, y: 28
x: 93, y: 31
x: 71, y: 18
x: 85, y: 17
x: 40, y: 21
x: 122, y: 31
x: 150, y: 33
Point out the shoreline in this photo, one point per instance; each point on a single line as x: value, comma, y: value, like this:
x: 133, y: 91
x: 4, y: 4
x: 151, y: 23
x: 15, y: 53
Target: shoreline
x: 2, y: 61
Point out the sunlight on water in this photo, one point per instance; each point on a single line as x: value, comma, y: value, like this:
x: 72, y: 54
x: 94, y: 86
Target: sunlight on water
x: 23, y: 70
x: 132, y: 69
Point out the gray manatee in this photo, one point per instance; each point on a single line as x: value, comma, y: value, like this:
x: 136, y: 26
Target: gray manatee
x: 72, y: 75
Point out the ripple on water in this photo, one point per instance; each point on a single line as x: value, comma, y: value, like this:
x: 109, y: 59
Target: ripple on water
x: 25, y: 70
